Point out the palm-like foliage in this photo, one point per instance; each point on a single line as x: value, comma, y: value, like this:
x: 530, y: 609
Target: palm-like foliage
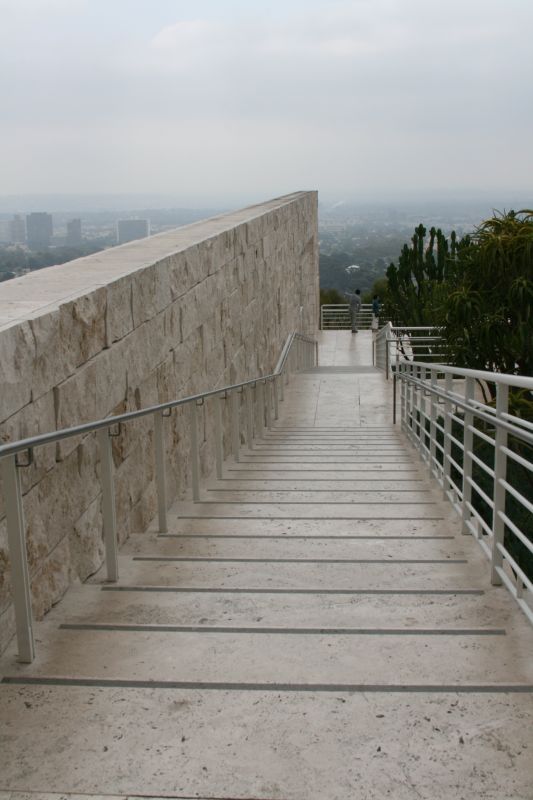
x: 488, y: 321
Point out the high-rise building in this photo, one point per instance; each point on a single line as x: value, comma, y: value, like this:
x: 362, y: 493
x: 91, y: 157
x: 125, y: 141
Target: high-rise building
x: 17, y: 229
x: 74, y: 232
x: 39, y: 230
x: 130, y: 229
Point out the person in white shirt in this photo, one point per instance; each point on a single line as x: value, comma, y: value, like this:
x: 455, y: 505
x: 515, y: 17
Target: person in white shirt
x: 355, y: 307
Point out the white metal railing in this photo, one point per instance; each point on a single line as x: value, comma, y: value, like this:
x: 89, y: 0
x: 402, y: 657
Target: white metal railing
x: 482, y: 456
x: 257, y: 398
x: 338, y: 317
x: 394, y: 343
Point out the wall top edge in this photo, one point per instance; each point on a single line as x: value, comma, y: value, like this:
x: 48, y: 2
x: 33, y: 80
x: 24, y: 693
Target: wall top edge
x: 44, y: 290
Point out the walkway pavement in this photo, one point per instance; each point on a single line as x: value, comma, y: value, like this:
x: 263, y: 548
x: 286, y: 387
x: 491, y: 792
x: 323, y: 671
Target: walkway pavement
x: 315, y: 629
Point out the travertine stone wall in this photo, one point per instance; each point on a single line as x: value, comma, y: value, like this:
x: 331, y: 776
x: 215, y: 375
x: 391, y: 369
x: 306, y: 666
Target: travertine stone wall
x: 169, y: 316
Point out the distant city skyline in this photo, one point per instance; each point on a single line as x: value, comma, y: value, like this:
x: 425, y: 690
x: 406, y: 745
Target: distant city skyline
x: 223, y: 102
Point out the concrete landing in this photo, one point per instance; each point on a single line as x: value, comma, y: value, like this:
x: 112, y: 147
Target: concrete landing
x: 316, y: 628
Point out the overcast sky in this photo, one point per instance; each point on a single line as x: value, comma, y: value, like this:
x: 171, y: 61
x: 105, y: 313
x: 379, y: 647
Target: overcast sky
x: 215, y: 100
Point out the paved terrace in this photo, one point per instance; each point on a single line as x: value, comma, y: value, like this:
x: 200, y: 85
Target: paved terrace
x: 316, y: 629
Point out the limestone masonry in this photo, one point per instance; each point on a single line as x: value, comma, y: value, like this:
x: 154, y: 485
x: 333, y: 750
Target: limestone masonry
x: 203, y: 306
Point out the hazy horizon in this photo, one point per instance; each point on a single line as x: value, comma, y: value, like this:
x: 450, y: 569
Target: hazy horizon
x: 220, y: 102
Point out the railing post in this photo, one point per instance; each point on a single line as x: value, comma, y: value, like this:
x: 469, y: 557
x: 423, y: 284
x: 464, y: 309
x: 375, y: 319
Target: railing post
x: 249, y: 401
x: 387, y: 358
x: 268, y: 404
x: 108, y: 503
x: 403, y: 410
x: 432, y: 424
x: 500, y: 471
x: 160, y: 472
x: 219, y: 455
x: 195, y: 459
x: 235, y: 425
x: 394, y: 398
x: 20, y: 579
x: 276, y: 398
x: 468, y: 445
x: 260, y: 410
x: 447, y: 443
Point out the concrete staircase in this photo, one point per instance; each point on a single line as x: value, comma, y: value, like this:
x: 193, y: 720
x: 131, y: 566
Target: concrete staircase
x: 315, y: 628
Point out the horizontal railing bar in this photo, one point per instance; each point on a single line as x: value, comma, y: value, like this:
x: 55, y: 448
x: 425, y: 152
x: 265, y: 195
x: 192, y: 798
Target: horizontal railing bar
x: 481, y: 434
x: 495, y: 421
x: 516, y: 530
x: 527, y: 464
x: 480, y: 492
x: 520, y: 381
x: 481, y: 464
x: 516, y: 494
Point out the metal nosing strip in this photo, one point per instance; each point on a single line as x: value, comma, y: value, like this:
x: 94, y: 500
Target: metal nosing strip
x: 349, y: 688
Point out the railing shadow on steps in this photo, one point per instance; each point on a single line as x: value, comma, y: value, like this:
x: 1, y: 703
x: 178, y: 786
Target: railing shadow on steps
x: 260, y: 397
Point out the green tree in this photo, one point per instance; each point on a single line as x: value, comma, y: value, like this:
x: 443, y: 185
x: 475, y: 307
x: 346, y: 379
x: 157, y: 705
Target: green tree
x: 331, y: 296
x: 415, y: 293
x: 488, y: 311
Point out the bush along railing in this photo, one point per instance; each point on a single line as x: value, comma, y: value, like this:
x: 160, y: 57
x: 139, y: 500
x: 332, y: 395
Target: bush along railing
x: 481, y: 453
x: 256, y: 400
x: 393, y: 344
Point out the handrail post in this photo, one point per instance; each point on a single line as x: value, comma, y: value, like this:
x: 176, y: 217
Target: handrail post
x: 235, y: 426
x: 402, y: 399
x: 195, y: 458
x: 219, y: 456
x: 160, y: 472
x: 276, y: 398
x: 260, y: 410
x: 268, y: 404
x: 432, y: 424
x: 394, y: 380
x: 468, y: 445
x: 249, y: 400
x: 499, y: 494
x: 20, y: 579
x: 281, y: 384
x: 108, y: 504
x: 447, y: 443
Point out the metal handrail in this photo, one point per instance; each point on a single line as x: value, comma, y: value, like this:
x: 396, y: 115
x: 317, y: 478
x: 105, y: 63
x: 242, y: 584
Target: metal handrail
x: 428, y: 410
x: 76, y: 430
x: 305, y: 351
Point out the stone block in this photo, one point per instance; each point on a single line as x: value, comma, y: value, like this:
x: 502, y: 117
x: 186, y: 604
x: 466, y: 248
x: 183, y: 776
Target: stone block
x: 151, y: 292
x: 17, y: 355
x: 34, y: 419
x: 172, y: 325
x: 145, y: 347
x: 86, y: 546
x: 7, y: 626
x: 119, y: 310
x: 111, y: 380
x: 82, y: 324
x: 50, y: 510
x: 51, y: 364
x: 179, y: 280
x: 75, y: 404
x: 5, y: 572
x: 52, y: 581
